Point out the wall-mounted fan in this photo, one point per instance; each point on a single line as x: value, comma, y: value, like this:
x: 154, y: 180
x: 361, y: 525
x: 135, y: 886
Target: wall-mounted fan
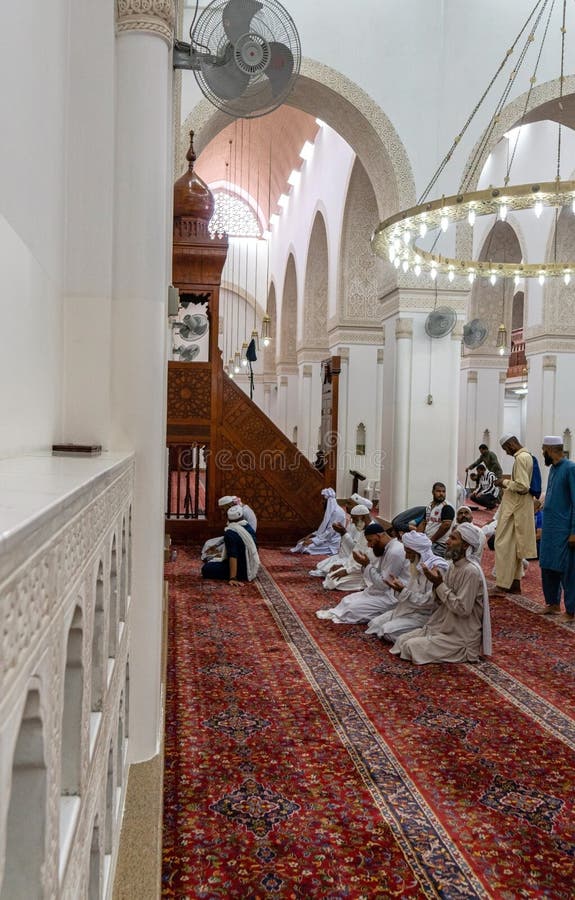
x: 440, y: 322
x: 192, y: 327
x: 245, y: 55
x: 187, y: 354
x: 474, y: 333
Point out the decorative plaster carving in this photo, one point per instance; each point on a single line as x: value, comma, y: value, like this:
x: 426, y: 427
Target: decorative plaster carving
x: 368, y: 336
x: 380, y: 356
x: 361, y: 269
x: 403, y: 328
x: 503, y: 377
x: 343, y: 353
x: 472, y: 377
x: 549, y: 362
x: 150, y: 16
x: 421, y: 300
x: 315, y: 290
x: 307, y: 371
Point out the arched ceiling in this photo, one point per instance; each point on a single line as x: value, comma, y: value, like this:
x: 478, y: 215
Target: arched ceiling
x: 282, y: 132
x: 556, y: 110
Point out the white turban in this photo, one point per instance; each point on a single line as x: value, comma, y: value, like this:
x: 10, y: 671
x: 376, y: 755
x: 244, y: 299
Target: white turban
x: 357, y: 498
x: 225, y: 501
x: 471, y: 534
x: 553, y: 440
x: 360, y: 510
x: 235, y: 513
x: 507, y: 437
x: 328, y: 493
x: 420, y: 543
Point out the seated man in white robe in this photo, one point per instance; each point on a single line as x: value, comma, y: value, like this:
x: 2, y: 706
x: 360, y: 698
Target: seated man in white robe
x: 349, y: 535
x: 416, y: 602
x: 460, y: 628
x: 347, y: 574
x: 325, y: 539
x: 240, y: 560
x: 377, y: 596
x: 214, y: 547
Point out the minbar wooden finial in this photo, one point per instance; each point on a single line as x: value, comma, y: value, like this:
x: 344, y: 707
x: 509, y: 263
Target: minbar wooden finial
x: 190, y: 155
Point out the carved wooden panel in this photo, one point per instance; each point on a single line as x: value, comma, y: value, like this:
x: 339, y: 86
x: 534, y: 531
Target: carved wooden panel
x: 189, y: 391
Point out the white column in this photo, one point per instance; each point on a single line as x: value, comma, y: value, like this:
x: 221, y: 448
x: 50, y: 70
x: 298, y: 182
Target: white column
x: 500, y: 411
x: 343, y: 486
x: 548, y: 395
x: 471, y: 419
x: 306, y: 399
x: 268, y: 400
x: 142, y: 227
x: 401, y: 449
x: 283, y: 403
x: 379, y: 400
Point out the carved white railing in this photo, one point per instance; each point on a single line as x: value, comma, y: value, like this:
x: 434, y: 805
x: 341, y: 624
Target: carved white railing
x: 65, y: 550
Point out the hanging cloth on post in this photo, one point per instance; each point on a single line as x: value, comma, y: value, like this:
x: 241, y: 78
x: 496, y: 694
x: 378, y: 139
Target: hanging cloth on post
x: 251, y: 357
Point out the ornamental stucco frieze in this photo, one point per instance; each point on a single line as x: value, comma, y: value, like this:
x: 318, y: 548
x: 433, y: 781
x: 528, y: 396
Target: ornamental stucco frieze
x: 150, y: 16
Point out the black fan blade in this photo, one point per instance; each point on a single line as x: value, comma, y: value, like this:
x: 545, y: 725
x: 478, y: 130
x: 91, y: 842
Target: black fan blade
x: 226, y: 81
x: 280, y: 67
x: 237, y: 17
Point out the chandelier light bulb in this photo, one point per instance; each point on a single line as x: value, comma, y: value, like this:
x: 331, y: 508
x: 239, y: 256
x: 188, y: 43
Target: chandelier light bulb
x: 471, y: 217
x: 516, y: 280
x: 567, y: 277
x: 405, y: 265
x: 471, y: 277
x: 423, y: 229
x: 501, y: 351
x: 451, y: 275
x: 503, y: 212
x: 433, y: 273
x: 396, y: 262
x: 538, y: 208
x: 444, y: 223
x: 391, y: 254
x: 541, y: 278
x: 406, y: 237
x: 396, y: 245
x: 573, y: 205
x: 493, y: 278
x: 417, y: 270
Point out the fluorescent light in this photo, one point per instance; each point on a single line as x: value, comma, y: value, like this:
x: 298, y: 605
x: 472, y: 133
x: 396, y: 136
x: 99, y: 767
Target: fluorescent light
x: 306, y: 151
x: 283, y: 200
x: 294, y: 177
x: 274, y: 219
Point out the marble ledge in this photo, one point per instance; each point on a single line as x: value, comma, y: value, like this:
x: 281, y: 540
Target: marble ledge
x: 38, y: 491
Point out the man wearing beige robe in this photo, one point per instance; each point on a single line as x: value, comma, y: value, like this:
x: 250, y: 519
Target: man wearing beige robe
x: 460, y: 628
x: 515, y: 534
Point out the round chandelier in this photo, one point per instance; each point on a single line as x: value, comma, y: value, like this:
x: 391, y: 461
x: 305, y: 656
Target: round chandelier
x: 396, y: 238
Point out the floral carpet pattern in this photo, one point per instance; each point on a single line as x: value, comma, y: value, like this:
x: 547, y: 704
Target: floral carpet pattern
x: 303, y: 760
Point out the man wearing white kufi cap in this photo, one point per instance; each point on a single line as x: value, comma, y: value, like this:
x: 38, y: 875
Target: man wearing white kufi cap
x: 239, y: 561
x: 557, y: 550
x: 460, y: 629
x: 415, y: 602
x: 345, y: 573
x: 213, y: 548
x: 515, y: 535
x: 325, y: 539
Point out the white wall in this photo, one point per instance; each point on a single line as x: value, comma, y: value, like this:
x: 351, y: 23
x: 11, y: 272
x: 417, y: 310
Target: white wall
x: 33, y: 61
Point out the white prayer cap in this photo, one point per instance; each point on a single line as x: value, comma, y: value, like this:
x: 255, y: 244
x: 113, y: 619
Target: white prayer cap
x: 327, y: 493
x: 552, y: 440
x: 471, y: 534
x: 235, y: 513
x: 359, y: 510
x: 507, y: 437
x: 225, y: 501
x: 357, y: 498
x: 416, y: 541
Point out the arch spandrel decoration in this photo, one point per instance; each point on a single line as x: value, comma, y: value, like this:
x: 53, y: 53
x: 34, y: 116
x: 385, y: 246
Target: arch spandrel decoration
x: 559, y: 298
x: 288, y: 319
x: 272, y: 349
x: 315, y: 298
x: 361, y: 270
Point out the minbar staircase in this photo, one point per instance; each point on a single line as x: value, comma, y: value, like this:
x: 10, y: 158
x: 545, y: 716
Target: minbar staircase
x: 222, y: 443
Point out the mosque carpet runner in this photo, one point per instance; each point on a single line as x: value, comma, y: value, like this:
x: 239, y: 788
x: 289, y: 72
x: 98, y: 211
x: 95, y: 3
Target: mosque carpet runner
x: 303, y: 760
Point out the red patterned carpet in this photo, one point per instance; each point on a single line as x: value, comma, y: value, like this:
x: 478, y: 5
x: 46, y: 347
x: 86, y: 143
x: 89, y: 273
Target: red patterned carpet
x: 304, y: 761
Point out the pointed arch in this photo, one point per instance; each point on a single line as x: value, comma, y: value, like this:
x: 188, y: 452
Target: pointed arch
x: 493, y: 304
x: 271, y: 351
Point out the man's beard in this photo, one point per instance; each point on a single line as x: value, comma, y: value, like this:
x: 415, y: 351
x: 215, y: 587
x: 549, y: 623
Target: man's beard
x: 454, y: 554
x: 377, y: 550
x: 547, y: 458
x: 360, y: 526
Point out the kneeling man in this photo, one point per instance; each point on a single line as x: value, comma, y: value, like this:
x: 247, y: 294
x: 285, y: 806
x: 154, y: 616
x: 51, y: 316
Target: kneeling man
x: 240, y: 560
x: 460, y: 629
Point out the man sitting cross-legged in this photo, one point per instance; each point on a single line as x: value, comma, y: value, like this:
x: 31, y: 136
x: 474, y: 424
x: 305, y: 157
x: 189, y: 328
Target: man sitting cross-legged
x: 377, y: 596
x: 240, y: 560
x: 416, y: 602
x: 349, y: 535
x: 486, y: 493
x: 346, y: 574
x: 460, y: 628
